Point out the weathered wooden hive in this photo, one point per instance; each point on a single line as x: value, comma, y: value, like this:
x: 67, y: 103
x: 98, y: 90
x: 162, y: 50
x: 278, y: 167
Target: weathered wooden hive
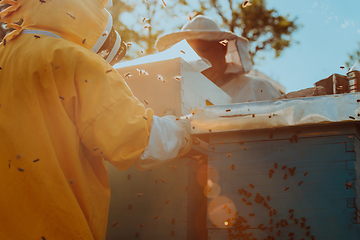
x: 283, y: 170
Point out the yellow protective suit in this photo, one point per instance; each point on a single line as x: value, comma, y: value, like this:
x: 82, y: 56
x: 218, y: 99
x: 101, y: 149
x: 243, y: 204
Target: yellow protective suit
x: 63, y: 109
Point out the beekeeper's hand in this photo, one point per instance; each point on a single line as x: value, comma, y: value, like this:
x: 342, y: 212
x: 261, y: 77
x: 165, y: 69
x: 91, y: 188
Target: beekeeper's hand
x: 169, y: 138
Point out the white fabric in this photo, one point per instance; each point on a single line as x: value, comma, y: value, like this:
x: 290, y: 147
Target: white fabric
x: 246, y: 88
x: 103, y: 35
x: 41, y: 32
x: 115, y: 49
x: 166, y: 140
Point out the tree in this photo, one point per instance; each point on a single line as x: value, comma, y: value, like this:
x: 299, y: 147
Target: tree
x: 353, y: 58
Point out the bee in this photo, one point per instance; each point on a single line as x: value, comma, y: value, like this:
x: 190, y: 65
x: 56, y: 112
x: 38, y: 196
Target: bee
x: 275, y: 165
x: 83, y: 41
x: 291, y: 234
x: 128, y: 44
x: 291, y: 210
x: 292, y: 170
x: 244, y: 148
x: 307, y: 233
x: 274, y: 211
x: 268, y: 197
x: 252, y: 214
x: 178, y: 78
x: 249, y: 194
x: 296, y: 221
x: 244, y: 199
x: 72, y: 16
x: 305, y: 174
x: 251, y: 185
x: 278, y: 233
x: 246, y: 4
x: 286, y: 223
x: 283, y: 167
x: 303, y: 219
x: 224, y: 42
x: 147, y: 25
x: 285, y: 176
x: 162, y: 180
x: 20, y: 169
x: 271, y: 221
x: 229, y: 210
x: 271, y: 228
x: 307, y: 228
x: 240, y: 192
x: 232, y: 167
x: 36, y: 160
x: 36, y: 36
x: 286, y: 189
x: 312, y: 237
x: 300, y: 183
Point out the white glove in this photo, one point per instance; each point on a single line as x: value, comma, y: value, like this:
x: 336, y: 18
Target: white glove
x: 169, y: 138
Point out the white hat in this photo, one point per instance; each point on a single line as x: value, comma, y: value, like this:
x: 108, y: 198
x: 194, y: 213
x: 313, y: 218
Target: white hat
x: 200, y: 27
x: 205, y: 28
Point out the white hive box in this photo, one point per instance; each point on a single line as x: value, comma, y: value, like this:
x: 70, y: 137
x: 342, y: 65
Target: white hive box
x: 170, y: 82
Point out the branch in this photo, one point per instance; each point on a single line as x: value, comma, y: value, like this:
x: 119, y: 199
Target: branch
x: 214, y: 3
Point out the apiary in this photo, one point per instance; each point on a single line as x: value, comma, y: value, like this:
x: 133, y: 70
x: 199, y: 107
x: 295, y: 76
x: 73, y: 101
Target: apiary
x: 284, y: 169
x: 167, y: 202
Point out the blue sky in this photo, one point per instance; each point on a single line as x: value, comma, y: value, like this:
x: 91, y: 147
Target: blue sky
x: 331, y: 30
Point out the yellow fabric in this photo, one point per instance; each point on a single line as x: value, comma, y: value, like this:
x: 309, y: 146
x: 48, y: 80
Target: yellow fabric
x: 62, y: 110
x: 74, y: 20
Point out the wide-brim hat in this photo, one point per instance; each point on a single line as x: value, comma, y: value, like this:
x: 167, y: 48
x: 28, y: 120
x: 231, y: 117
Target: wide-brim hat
x: 200, y: 27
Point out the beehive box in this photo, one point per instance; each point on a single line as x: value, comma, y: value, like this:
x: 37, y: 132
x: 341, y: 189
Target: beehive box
x: 167, y: 202
x: 285, y: 183
x: 172, y: 84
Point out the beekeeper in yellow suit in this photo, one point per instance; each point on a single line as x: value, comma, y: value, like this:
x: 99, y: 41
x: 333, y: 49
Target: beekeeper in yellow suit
x: 63, y: 109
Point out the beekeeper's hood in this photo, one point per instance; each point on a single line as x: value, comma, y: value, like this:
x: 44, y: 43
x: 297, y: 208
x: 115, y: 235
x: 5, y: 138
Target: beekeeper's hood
x: 84, y: 22
x: 204, y: 28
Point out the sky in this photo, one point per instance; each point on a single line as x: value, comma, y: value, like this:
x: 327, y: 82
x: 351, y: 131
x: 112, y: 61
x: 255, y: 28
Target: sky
x: 330, y: 31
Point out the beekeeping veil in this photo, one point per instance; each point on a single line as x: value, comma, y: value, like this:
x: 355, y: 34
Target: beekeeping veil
x: 204, y: 28
x: 84, y: 22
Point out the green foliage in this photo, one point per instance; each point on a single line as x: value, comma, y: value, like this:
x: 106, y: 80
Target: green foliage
x: 353, y: 58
